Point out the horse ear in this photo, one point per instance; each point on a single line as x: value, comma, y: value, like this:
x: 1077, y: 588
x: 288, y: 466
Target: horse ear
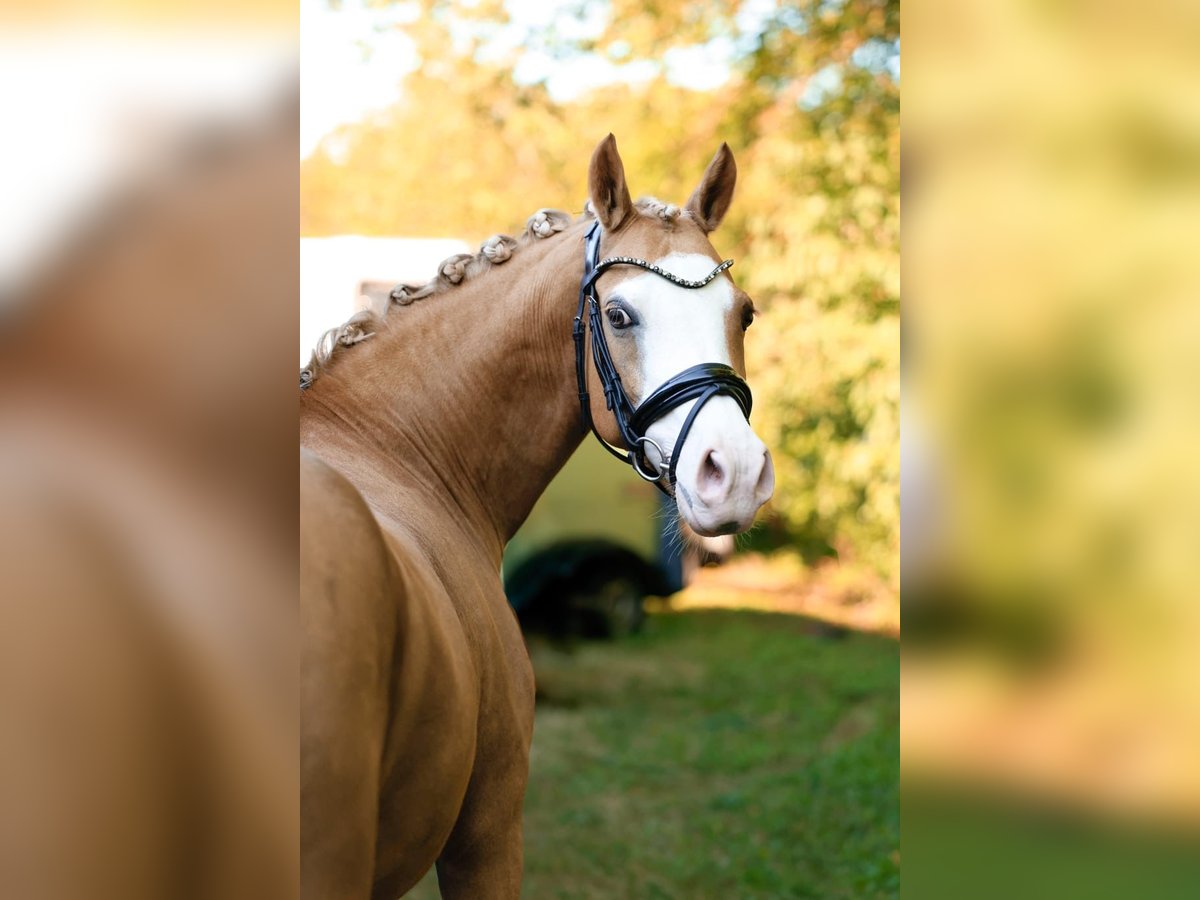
x: 710, y: 201
x: 606, y: 185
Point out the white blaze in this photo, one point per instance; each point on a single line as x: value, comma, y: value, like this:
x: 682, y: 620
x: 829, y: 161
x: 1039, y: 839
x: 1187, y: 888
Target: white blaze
x: 681, y: 328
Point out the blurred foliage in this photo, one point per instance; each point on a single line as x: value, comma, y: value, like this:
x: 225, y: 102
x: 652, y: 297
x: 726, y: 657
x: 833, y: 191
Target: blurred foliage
x: 811, y: 110
x: 1050, y: 258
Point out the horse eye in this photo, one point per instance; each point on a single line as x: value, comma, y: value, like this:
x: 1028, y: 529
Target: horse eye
x: 747, y: 318
x: 618, y: 318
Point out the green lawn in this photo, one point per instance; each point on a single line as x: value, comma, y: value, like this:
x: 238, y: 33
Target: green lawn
x: 718, y: 754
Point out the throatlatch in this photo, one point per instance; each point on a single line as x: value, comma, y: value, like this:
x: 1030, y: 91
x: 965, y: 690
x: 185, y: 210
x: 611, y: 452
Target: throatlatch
x: 700, y: 383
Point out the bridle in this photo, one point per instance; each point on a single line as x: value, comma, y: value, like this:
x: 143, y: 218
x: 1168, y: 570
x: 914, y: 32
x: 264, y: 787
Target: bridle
x: 700, y: 383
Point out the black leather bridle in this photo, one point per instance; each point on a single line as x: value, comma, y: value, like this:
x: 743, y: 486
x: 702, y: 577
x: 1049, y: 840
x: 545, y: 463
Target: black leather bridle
x: 700, y: 383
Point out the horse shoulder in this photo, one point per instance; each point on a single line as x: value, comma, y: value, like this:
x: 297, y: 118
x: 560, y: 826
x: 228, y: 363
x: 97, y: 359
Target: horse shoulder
x: 347, y: 587
x: 390, y: 692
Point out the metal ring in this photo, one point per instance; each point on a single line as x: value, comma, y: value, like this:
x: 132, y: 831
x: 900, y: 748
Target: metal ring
x: 634, y: 456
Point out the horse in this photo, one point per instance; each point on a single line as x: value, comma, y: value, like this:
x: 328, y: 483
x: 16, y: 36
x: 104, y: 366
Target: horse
x: 427, y: 433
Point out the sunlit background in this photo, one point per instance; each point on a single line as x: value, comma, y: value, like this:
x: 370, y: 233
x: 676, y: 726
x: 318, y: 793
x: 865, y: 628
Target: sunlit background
x: 750, y: 751
x: 457, y: 121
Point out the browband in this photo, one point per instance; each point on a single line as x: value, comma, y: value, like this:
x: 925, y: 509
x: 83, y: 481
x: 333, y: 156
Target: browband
x: 605, y: 264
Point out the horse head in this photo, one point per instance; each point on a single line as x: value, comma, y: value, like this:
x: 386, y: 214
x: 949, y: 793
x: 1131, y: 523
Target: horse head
x: 667, y: 369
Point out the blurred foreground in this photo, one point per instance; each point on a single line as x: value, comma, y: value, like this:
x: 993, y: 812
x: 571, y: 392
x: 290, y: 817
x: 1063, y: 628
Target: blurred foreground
x: 147, y: 490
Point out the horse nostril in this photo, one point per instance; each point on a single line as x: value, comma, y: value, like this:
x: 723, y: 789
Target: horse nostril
x: 712, y: 474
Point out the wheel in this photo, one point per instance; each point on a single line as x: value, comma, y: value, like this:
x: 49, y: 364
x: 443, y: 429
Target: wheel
x: 612, y: 605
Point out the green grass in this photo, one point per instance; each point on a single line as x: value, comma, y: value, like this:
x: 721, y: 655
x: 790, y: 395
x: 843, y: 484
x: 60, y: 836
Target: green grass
x: 718, y: 754
x: 991, y: 843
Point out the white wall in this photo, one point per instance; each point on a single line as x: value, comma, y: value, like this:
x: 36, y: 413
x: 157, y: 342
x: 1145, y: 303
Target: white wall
x: 332, y: 268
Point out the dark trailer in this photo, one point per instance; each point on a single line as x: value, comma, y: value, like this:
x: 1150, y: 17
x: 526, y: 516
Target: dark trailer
x: 596, y: 545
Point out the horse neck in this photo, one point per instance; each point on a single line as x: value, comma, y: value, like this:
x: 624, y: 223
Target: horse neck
x: 465, y: 401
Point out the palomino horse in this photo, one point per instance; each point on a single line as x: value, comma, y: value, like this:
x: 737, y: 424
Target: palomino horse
x: 425, y: 446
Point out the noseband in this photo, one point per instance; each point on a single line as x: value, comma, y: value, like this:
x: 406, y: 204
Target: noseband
x: 700, y: 383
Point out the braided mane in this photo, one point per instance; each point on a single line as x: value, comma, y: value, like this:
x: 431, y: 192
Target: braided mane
x: 454, y: 270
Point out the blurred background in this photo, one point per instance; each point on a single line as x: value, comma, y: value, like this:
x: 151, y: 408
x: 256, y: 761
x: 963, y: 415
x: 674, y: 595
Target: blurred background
x: 740, y: 737
x: 1051, y: 731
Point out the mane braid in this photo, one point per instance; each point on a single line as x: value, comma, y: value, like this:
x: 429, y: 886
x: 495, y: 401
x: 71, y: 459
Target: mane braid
x: 461, y: 267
